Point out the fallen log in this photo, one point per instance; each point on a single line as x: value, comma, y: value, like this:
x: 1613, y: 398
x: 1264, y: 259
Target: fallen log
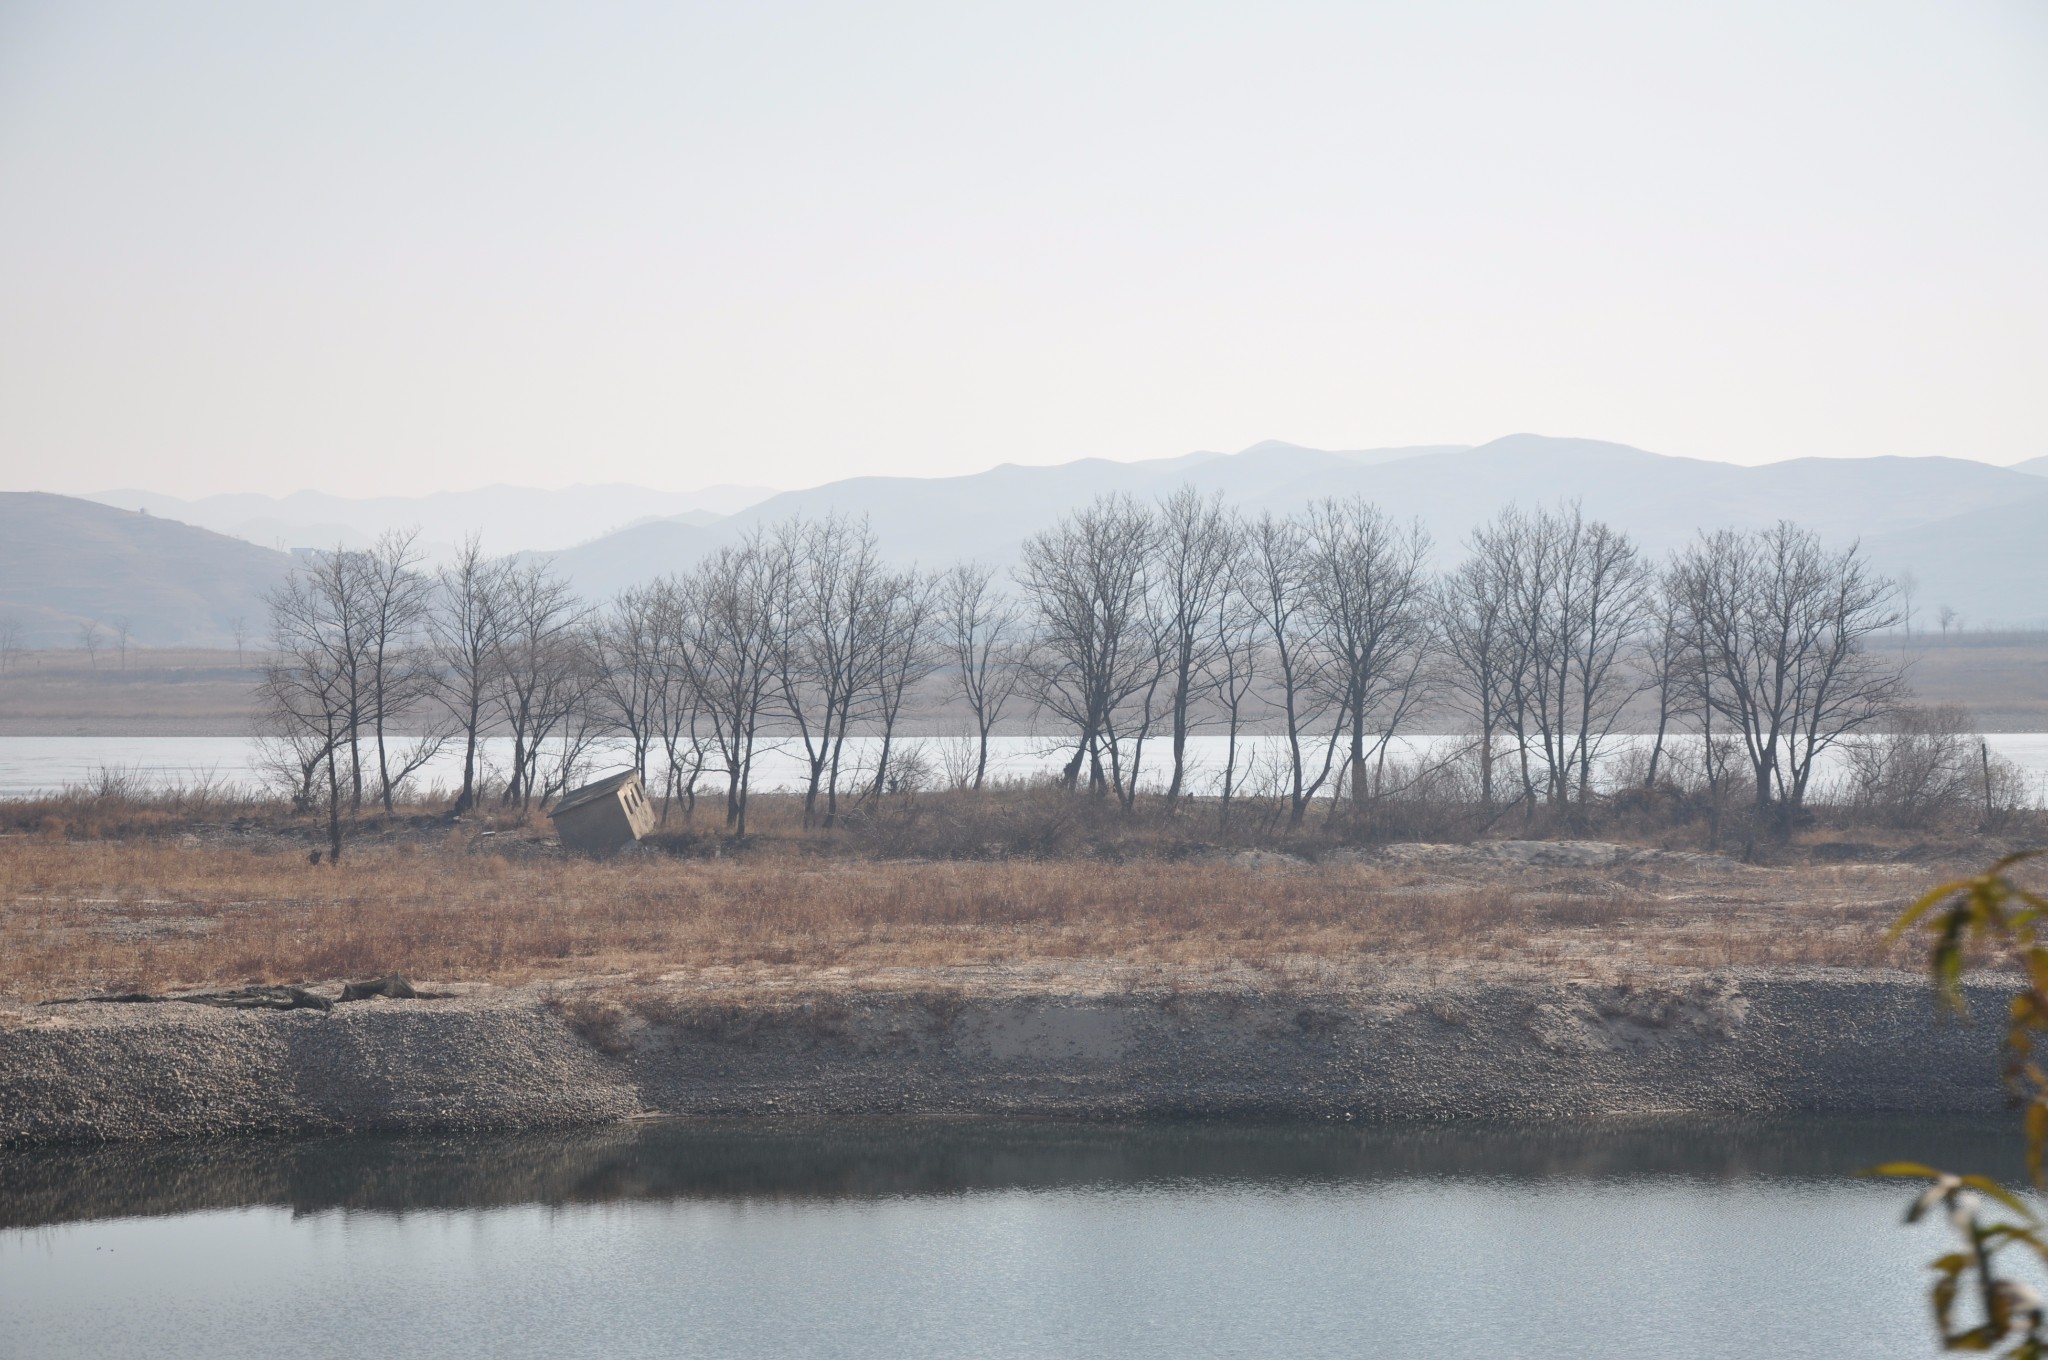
x: 239, y: 998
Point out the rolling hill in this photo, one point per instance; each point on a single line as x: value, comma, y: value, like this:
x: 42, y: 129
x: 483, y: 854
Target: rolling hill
x: 510, y: 518
x: 66, y: 562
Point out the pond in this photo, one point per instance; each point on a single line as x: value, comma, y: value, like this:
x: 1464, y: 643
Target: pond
x: 1697, y: 1238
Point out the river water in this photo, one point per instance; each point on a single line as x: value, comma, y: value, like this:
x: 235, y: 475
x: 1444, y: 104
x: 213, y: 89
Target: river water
x: 1694, y: 1238
x: 33, y: 765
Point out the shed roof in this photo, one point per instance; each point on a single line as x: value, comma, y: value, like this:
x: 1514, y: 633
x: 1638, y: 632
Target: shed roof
x: 591, y: 792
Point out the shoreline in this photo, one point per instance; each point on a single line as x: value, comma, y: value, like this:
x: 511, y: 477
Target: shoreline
x: 1737, y: 1041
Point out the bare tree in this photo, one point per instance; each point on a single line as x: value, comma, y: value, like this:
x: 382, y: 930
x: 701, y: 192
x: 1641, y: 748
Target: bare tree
x: 469, y: 624
x: 340, y: 580
x: 1574, y: 596
x: 1479, y: 655
x: 1233, y: 666
x: 828, y: 643
x: 629, y: 669
x: 1664, y: 664
x: 981, y: 630
x: 1367, y: 591
x: 541, y: 674
x: 1279, y: 569
x: 1946, y: 617
x: 1199, y: 544
x: 1086, y: 581
x: 397, y: 598
x: 121, y: 641
x: 905, y: 656
x: 306, y: 699
x: 1782, y: 626
x: 734, y: 616
x: 11, y: 646
x: 89, y: 639
x: 239, y: 626
x: 1603, y: 604
x: 679, y: 714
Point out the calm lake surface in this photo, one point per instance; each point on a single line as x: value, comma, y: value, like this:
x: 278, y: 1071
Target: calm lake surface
x: 33, y: 765
x: 1697, y: 1239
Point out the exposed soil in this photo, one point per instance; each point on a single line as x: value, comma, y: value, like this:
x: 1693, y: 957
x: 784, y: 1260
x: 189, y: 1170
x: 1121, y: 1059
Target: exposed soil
x: 1482, y: 1043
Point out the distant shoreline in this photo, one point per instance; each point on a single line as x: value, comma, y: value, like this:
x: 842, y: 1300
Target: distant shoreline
x: 197, y: 692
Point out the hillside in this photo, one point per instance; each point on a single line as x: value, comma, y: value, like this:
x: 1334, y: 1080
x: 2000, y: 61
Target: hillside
x: 1904, y: 507
x: 510, y: 518
x: 65, y: 562
x: 1990, y: 564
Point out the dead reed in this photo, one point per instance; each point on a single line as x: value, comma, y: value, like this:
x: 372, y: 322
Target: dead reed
x: 80, y: 915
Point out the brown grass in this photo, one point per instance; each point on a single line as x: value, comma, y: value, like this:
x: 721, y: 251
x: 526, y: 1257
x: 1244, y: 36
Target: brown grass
x: 147, y: 913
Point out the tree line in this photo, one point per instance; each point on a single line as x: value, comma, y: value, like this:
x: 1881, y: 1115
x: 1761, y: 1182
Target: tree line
x: 1126, y: 627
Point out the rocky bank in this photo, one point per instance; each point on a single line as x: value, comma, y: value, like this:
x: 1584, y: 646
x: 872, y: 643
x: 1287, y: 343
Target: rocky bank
x: 1731, y: 1042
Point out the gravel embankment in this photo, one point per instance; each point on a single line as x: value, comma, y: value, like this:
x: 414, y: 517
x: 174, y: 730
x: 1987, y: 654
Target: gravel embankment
x: 1743, y: 1041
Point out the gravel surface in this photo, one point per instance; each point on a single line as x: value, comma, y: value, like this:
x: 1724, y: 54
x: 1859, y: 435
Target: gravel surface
x: 1741, y: 1041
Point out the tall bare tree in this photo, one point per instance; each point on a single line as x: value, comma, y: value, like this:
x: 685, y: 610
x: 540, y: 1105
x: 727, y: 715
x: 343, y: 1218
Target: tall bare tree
x: 905, y: 657
x: 828, y: 643
x: 340, y: 580
x: 541, y: 671
x: 734, y: 616
x: 306, y: 698
x: 1086, y: 581
x: 680, y: 719
x: 628, y: 669
x: 1367, y: 592
x: 1479, y: 655
x: 1199, y: 545
x: 981, y: 629
x: 1572, y: 596
x: 396, y: 600
x: 1664, y: 663
x: 469, y: 624
x: 1602, y: 606
x: 1782, y: 627
x: 1234, y: 668
x: 1279, y: 570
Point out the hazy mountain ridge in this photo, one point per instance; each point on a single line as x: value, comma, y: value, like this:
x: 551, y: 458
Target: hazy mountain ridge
x: 1663, y: 501
x: 510, y: 518
x: 1970, y: 533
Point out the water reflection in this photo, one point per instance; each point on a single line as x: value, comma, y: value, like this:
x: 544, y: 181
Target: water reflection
x: 664, y: 1161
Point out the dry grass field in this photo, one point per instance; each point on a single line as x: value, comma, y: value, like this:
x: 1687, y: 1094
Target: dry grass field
x: 167, y: 911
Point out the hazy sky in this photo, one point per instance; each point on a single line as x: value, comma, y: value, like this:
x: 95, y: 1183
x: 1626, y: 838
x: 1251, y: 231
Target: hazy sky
x: 380, y: 247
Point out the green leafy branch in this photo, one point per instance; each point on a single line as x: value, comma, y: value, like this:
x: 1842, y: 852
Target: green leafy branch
x: 1987, y: 913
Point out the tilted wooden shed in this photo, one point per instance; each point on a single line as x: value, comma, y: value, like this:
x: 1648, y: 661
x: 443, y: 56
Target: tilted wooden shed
x: 604, y: 816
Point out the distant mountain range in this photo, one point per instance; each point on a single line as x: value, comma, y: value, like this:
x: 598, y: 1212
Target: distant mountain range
x: 1974, y: 536
x: 1913, y: 514
x: 511, y: 518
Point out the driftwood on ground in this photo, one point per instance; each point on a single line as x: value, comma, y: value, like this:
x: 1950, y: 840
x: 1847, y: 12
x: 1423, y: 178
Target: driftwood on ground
x: 263, y: 998
x: 238, y: 998
x: 392, y: 985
